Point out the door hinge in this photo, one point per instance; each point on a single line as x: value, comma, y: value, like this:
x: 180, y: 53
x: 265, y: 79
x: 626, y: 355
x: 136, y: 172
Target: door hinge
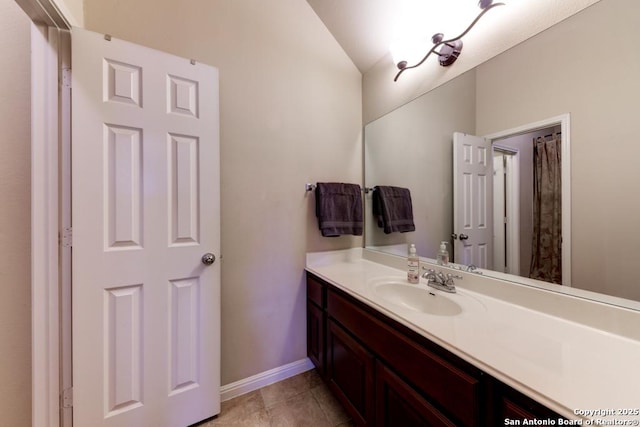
x: 66, y: 398
x: 66, y: 77
x: 66, y: 237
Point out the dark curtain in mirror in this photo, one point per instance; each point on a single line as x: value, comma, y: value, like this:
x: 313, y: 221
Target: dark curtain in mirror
x: 546, y: 260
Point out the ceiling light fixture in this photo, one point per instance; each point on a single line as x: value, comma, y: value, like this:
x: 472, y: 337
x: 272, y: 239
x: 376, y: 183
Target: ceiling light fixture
x: 449, y: 49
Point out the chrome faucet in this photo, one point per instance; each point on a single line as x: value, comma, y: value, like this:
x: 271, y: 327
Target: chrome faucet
x: 439, y: 280
x: 473, y: 269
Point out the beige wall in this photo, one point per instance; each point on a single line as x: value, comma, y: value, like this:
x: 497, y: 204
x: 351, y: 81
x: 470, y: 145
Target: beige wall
x: 566, y: 72
x: 15, y: 214
x: 403, y: 148
x: 72, y: 10
x: 290, y: 103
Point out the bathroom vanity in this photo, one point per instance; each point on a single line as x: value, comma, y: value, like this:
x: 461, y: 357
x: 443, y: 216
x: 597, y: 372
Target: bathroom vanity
x: 405, y: 355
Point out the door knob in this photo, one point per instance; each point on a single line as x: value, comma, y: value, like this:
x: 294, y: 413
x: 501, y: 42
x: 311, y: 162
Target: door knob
x: 463, y: 237
x: 208, y: 258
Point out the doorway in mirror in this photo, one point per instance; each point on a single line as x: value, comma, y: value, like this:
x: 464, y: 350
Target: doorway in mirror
x: 505, y: 220
x: 517, y: 236
x: 516, y: 208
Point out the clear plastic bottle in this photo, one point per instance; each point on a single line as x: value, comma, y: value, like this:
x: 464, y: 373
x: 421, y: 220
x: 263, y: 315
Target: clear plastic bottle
x: 413, y: 264
x: 443, y: 255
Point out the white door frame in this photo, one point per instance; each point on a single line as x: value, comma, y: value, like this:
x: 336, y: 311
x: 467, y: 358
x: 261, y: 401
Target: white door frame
x: 44, y: 227
x: 513, y: 207
x: 64, y: 224
x: 48, y: 136
x: 513, y: 212
x: 564, y: 121
x: 499, y: 232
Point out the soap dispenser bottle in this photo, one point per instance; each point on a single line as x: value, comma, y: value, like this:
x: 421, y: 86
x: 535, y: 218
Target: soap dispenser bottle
x: 413, y: 264
x: 443, y: 255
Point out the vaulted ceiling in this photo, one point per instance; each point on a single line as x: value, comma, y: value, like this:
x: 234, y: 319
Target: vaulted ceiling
x: 366, y: 28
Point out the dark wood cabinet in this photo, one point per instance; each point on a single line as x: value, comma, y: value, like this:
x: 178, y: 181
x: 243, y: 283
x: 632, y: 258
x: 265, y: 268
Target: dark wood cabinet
x: 512, y: 405
x: 445, y: 381
x: 316, y: 323
x: 386, y: 374
x: 315, y: 335
x: 349, y: 373
x: 451, y: 383
x: 399, y: 405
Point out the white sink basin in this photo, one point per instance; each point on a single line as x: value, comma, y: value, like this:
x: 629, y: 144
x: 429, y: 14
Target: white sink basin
x: 417, y: 298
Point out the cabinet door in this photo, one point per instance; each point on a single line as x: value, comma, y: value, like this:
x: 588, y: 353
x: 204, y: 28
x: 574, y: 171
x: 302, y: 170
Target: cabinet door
x: 518, y: 408
x: 315, y: 336
x: 398, y: 404
x: 350, y: 373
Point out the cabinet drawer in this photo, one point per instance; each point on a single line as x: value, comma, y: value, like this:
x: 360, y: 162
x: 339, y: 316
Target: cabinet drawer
x: 450, y: 388
x: 315, y: 291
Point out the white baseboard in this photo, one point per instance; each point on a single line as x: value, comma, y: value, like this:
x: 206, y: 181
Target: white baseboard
x: 255, y: 382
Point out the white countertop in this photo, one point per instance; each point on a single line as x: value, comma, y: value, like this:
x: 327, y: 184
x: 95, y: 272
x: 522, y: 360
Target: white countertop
x: 563, y: 364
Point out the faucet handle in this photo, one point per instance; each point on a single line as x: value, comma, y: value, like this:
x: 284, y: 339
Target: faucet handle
x: 450, y: 277
x: 429, y: 273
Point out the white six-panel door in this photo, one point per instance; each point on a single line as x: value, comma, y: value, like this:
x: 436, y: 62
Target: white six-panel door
x: 146, y: 208
x: 472, y: 200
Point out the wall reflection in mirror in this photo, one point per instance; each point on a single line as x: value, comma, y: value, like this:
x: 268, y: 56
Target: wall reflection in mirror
x: 561, y: 71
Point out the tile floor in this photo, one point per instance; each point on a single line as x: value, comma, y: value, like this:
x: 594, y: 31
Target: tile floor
x: 302, y: 400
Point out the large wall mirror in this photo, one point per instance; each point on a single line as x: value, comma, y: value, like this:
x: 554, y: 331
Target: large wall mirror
x: 586, y: 68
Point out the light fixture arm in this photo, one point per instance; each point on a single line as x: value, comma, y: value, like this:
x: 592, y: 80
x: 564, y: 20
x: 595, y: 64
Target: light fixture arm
x: 449, y: 41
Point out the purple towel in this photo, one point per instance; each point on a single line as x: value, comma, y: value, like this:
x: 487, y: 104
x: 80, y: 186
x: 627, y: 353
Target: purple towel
x: 393, y: 209
x: 339, y: 209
